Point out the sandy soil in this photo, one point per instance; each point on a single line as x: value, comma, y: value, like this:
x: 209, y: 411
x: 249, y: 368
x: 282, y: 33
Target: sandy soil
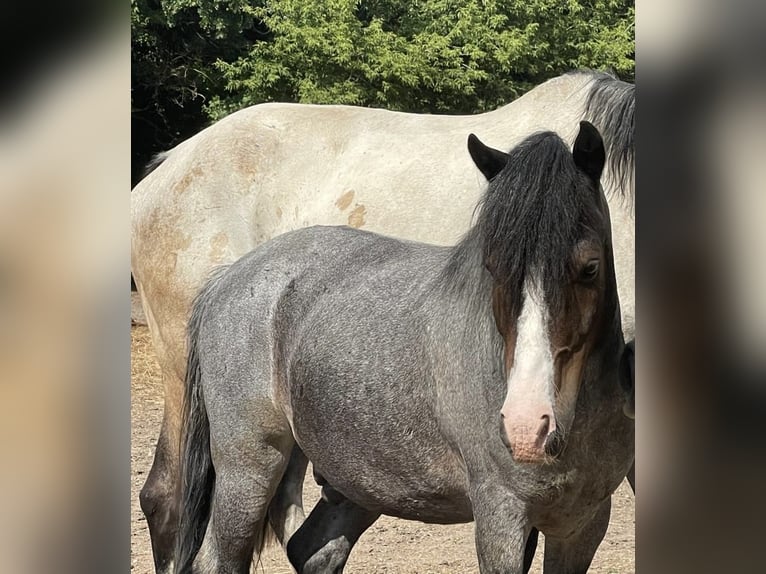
x: 390, y: 546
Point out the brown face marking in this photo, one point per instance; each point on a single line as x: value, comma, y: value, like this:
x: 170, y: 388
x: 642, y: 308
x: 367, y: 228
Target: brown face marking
x: 569, y: 368
x: 572, y: 332
x: 588, y: 292
x: 505, y: 323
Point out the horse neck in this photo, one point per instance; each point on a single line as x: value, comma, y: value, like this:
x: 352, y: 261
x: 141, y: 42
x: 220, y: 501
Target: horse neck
x: 464, y: 287
x: 463, y: 275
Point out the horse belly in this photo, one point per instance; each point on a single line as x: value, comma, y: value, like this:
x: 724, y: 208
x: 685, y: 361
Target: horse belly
x: 393, y: 461
x: 431, y: 490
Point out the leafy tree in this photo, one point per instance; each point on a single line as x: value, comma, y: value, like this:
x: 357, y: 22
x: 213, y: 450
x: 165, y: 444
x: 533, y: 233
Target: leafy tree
x: 197, y: 60
x: 457, y: 56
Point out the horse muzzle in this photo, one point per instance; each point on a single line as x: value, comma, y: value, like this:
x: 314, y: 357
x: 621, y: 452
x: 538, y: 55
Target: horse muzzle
x: 530, y: 439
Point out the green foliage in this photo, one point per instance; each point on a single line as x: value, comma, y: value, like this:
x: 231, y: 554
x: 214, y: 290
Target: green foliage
x: 457, y: 56
x: 197, y: 60
x: 175, y: 44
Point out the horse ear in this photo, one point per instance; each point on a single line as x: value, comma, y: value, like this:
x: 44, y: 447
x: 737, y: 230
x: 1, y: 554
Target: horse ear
x: 489, y: 161
x: 588, y: 151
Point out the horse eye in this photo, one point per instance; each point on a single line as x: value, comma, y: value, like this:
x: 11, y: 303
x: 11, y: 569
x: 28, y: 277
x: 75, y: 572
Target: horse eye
x: 589, y: 271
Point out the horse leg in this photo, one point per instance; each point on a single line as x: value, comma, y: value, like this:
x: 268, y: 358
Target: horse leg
x: 158, y: 496
x: 248, y: 469
x: 574, y: 554
x: 286, y: 508
x: 250, y: 446
x: 505, y: 542
x: 324, y: 542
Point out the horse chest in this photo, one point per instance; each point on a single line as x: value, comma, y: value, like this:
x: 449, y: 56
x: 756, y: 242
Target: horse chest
x: 573, y: 495
x: 570, y: 507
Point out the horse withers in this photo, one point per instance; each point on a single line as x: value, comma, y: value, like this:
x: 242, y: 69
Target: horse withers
x: 440, y: 384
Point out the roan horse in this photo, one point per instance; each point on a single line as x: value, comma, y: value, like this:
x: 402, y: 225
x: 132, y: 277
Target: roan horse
x: 272, y: 168
x: 440, y: 384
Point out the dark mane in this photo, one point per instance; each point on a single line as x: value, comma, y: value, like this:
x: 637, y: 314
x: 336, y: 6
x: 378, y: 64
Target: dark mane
x: 531, y: 216
x: 611, y: 106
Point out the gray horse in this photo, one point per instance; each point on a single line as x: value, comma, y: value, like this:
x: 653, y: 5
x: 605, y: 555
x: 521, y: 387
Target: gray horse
x: 440, y: 384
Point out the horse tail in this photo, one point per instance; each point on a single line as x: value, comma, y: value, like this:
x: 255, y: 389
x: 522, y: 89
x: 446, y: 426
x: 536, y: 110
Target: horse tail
x: 155, y: 162
x: 197, y: 472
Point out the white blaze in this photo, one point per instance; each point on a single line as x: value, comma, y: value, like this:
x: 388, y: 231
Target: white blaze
x: 530, y: 381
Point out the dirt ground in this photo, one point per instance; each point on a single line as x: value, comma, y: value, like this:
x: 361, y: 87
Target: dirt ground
x: 389, y: 546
